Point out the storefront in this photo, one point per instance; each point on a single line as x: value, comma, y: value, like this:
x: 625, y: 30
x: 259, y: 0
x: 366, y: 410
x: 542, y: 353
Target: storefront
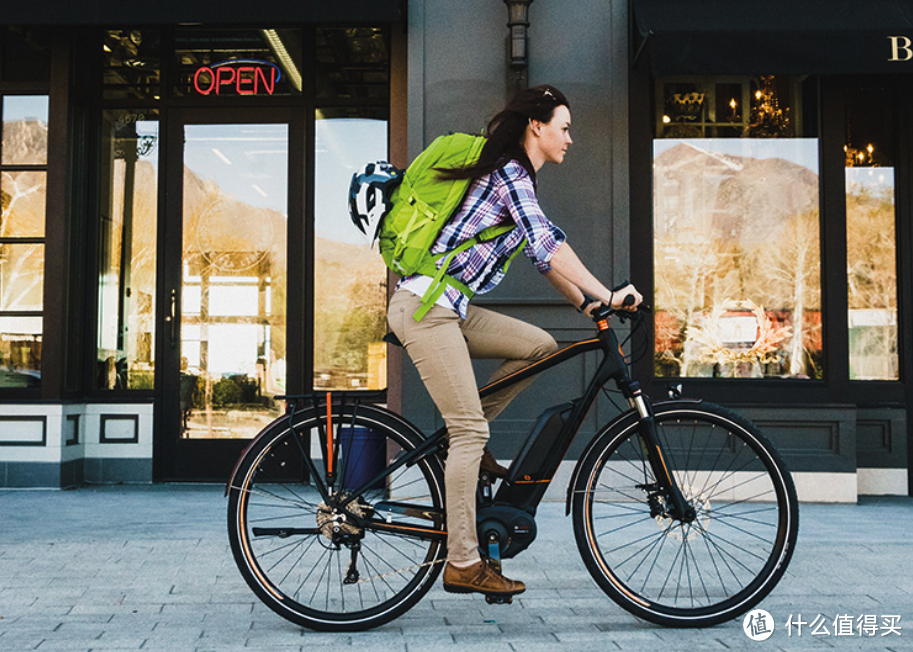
x: 175, y: 246
x: 749, y: 168
x: 772, y: 149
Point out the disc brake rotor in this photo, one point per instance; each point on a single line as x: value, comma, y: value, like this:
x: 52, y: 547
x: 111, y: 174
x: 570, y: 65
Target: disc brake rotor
x: 687, y: 531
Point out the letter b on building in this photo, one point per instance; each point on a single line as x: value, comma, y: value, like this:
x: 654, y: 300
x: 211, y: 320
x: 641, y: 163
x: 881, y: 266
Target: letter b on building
x: 900, y: 48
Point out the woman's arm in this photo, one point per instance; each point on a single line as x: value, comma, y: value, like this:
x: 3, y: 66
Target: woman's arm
x: 571, y: 278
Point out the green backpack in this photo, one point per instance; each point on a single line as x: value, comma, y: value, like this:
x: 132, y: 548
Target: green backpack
x: 422, y: 204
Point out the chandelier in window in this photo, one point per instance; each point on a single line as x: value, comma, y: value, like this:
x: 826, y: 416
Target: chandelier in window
x: 767, y: 119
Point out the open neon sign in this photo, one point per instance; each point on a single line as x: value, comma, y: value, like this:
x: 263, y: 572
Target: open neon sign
x: 238, y: 76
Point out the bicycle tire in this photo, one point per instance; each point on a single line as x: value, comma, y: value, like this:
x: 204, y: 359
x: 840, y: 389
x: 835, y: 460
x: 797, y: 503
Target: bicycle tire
x: 282, y: 533
x: 701, y: 573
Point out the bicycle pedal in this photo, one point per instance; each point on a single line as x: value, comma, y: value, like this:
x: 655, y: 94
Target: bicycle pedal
x: 494, y: 598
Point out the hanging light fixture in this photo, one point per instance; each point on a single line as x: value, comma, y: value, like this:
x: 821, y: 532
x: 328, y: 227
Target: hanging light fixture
x: 518, y: 23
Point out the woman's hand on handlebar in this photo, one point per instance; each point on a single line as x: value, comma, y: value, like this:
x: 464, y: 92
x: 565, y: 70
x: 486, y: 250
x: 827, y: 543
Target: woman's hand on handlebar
x: 626, y: 297
x: 588, y: 311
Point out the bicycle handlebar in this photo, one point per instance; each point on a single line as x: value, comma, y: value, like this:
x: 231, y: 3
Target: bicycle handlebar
x: 604, y: 312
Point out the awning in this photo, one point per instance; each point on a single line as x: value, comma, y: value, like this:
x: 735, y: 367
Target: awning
x: 775, y: 36
x: 210, y: 12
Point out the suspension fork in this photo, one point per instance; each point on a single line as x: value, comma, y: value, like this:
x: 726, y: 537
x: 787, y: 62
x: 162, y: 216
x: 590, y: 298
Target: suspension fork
x: 681, y: 508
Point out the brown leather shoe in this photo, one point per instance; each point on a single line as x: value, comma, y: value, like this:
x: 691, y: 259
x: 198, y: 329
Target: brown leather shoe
x: 490, y: 465
x: 479, y: 578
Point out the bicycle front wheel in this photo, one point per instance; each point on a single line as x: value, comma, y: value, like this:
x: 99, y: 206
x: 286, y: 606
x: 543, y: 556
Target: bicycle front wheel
x: 321, y: 535
x: 676, y: 573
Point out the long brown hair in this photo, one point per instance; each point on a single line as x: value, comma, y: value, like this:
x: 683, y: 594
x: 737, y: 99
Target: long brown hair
x: 506, y: 129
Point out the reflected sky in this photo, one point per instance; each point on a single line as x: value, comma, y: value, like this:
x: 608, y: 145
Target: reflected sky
x: 873, y: 179
x: 247, y: 161
x: 25, y: 107
x: 802, y: 151
x: 250, y: 162
x: 343, y: 145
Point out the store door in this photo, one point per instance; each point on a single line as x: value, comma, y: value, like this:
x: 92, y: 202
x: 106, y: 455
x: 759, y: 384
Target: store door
x: 225, y: 286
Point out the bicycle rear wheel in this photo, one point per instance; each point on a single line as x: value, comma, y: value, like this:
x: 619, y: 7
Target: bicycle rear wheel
x: 321, y: 540
x: 702, y: 572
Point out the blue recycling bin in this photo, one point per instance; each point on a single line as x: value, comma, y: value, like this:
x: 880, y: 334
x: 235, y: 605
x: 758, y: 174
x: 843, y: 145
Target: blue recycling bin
x: 367, y: 456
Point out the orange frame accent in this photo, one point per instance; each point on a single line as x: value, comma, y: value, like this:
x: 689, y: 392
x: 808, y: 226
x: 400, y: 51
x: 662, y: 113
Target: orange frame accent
x: 329, y: 432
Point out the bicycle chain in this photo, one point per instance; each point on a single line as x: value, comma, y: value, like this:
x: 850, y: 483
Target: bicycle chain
x: 401, y: 570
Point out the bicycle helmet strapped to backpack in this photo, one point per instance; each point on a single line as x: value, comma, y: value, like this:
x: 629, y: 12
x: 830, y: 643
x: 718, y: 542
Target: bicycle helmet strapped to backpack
x: 369, y: 194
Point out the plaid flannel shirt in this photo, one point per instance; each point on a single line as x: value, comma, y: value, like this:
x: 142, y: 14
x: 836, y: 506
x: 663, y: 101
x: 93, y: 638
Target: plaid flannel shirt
x: 506, y: 195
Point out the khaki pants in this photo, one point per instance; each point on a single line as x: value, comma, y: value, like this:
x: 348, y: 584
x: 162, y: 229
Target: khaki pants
x: 442, y: 346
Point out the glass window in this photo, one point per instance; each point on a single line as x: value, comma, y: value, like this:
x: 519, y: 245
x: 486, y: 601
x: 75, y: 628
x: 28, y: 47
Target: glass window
x: 23, y: 191
x: 736, y: 231
x: 21, y: 277
x: 23, y: 194
x: 25, y: 130
x: 238, y: 62
x: 132, y: 64
x: 353, y: 63
x: 350, y: 277
x: 233, y: 336
x: 127, y: 245
x: 870, y: 235
x: 20, y: 351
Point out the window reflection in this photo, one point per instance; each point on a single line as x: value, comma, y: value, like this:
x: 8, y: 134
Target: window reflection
x: 21, y: 277
x: 23, y: 190
x: 235, y: 261
x: 23, y: 201
x: 20, y: 351
x: 352, y: 63
x: 25, y: 130
x: 132, y: 64
x: 737, y: 260
x: 736, y: 228
x: 127, y: 242
x: 871, y: 249
x: 350, y: 278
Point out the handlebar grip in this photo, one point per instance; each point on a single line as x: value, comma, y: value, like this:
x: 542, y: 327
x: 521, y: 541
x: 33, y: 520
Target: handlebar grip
x: 625, y: 283
x: 628, y: 300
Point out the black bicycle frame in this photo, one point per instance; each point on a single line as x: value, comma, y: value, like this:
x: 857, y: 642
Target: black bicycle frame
x: 527, y: 491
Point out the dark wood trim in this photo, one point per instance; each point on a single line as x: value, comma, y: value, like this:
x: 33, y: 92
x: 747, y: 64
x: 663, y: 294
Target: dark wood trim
x: 399, y: 156
x: 298, y: 328
x: 903, y: 178
x: 832, y: 188
x: 56, y: 259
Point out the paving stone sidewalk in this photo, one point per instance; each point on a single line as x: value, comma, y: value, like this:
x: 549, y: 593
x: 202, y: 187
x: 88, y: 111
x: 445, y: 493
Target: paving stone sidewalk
x: 149, y: 568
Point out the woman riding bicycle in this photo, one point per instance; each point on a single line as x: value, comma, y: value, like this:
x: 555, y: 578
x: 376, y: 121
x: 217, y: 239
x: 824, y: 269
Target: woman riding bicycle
x: 533, y: 129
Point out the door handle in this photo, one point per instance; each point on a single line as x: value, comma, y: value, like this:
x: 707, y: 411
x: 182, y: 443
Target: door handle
x: 171, y: 318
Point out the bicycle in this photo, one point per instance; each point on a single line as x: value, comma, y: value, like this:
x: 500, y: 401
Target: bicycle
x: 684, y: 513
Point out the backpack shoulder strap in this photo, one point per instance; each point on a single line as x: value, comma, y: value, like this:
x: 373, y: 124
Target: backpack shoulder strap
x: 440, y: 279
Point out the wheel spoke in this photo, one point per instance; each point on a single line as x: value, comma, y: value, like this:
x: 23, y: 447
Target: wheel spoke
x: 296, y: 548
x: 695, y: 571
